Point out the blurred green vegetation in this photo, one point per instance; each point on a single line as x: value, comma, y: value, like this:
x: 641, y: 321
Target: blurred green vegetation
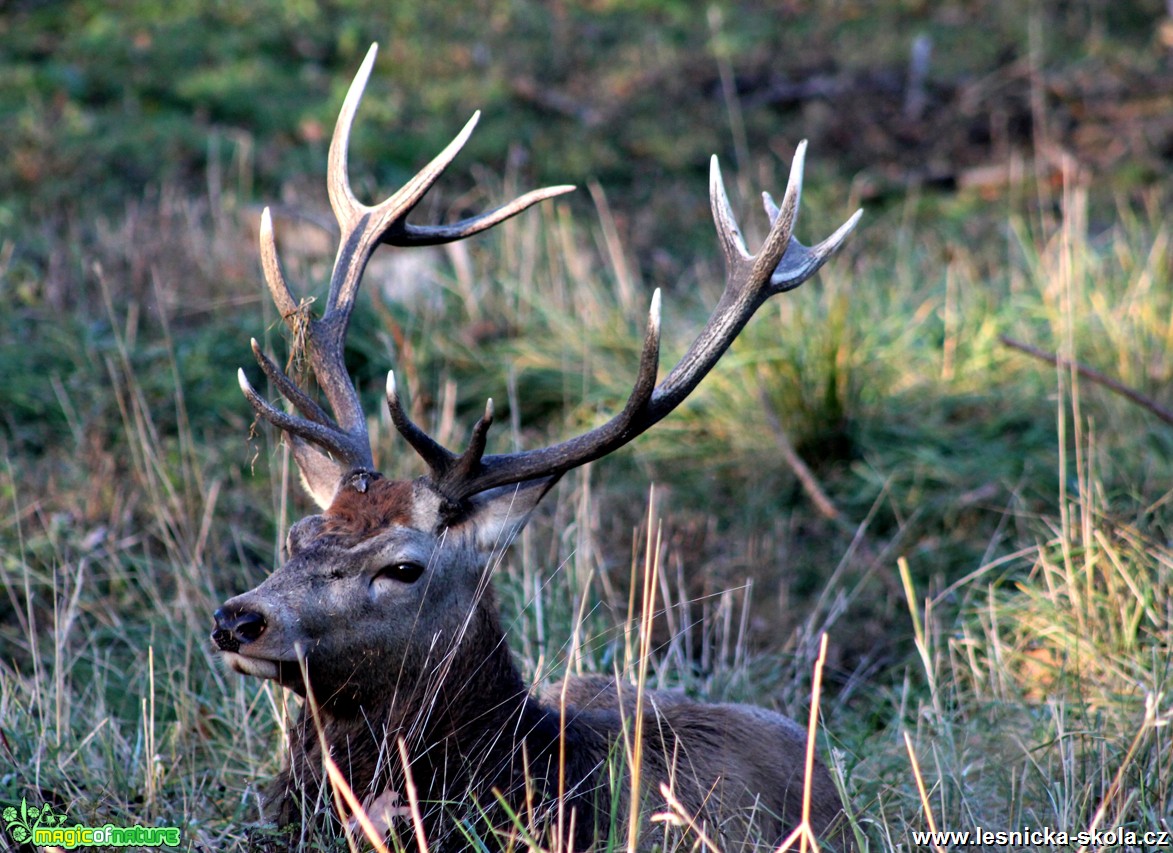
x: 101, y: 101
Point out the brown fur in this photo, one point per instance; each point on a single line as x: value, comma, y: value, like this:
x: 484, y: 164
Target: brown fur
x: 356, y: 516
x: 737, y: 769
x: 393, y: 653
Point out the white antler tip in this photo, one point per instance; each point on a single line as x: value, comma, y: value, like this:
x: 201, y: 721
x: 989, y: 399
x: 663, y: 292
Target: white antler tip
x: 771, y: 206
x: 716, y: 182
x: 350, y: 103
x: 654, y: 311
x: 372, y: 52
x: 392, y: 391
x: 489, y: 409
x: 848, y: 226
x: 467, y: 130
x: 242, y: 380
x: 798, y: 163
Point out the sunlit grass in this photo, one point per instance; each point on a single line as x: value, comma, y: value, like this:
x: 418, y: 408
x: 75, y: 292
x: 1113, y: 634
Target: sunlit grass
x: 1024, y: 650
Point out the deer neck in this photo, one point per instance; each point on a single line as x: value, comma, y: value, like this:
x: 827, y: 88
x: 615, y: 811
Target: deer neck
x: 474, y: 703
x: 481, y: 695
x: 480, y: 733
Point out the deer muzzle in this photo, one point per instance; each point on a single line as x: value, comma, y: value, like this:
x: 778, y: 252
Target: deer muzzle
x: 236, y: 628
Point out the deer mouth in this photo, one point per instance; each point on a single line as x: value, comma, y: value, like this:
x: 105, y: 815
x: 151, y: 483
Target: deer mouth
x: 286, y: 673
x: 241, y: 634
x: 256, y: 667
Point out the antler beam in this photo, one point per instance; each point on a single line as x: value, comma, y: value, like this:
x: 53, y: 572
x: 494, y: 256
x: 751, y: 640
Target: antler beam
x: 782, y: 263
x: 363, y: 228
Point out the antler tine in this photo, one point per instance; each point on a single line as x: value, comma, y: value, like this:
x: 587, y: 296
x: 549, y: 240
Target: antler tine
x: 387, y: 222
x: 432, y: 235
x: 438, y: 458
x: 333, y: 440
x: 288, y: 388
x: 346, y: 207
x: 781, y: 264
x: 389, y: 217
x: 348, y: 443
x: 273, y: 273
x: 802, y: 262
x: 468, y: 462
x: 364, y: 227
x: 781, y: 222
x: 446, y: 467
x: 728, y: 232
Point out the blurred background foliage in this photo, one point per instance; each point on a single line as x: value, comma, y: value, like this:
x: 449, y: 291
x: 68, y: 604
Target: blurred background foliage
x: 102, y: 101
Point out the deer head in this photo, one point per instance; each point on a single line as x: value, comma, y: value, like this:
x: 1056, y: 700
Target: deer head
x: 384, y: 585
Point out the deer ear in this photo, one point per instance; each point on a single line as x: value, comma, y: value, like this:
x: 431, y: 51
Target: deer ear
x: 499, y: 514
x: 320, y: 475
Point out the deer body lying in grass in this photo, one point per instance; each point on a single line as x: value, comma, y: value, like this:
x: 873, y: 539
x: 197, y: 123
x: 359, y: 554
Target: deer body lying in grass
x: 384, y: 617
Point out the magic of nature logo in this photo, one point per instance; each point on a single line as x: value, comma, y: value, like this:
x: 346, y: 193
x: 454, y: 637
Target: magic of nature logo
x: 40, y: 826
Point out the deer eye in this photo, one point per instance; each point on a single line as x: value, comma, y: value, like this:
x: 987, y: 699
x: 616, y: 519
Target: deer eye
x: 405, y: 572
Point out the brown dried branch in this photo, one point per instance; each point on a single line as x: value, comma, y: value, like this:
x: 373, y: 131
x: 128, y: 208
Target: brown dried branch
x: 802, y: 471
x: 1095, y: 376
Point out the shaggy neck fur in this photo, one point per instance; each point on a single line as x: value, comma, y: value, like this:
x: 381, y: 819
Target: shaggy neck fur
x: 480, y: 735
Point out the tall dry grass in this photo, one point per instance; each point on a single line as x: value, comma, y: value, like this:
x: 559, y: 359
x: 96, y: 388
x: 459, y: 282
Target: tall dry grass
x: 1022, y: 644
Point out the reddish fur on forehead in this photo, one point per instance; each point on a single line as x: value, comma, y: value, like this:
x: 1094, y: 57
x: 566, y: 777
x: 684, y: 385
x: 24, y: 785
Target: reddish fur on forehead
x: 357, y: 515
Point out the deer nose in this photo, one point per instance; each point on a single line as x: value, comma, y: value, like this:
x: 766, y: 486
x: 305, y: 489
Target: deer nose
x: 234, y: 630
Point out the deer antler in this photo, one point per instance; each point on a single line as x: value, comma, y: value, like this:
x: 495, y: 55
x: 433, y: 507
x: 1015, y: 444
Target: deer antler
x: 781, y: 264
x: 363, y: 228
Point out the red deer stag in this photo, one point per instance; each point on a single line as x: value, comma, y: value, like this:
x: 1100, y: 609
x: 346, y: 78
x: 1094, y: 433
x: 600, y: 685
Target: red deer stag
x: 384, y: 616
